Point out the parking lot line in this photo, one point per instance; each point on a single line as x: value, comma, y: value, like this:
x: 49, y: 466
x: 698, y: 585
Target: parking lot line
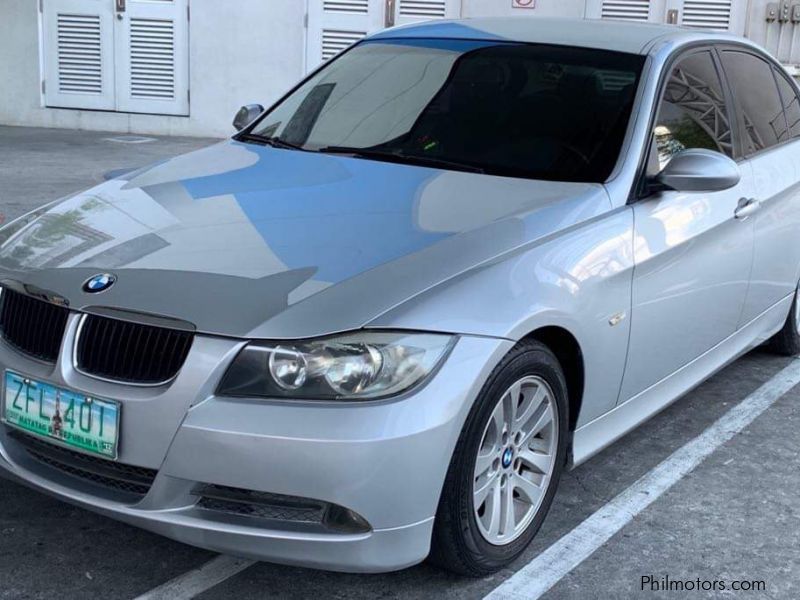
x: 196, y: 582
x: 548, y: 568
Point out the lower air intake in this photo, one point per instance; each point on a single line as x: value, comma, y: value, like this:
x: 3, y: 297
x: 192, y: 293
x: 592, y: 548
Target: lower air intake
x: 130, y: 480
x: 277, y: 507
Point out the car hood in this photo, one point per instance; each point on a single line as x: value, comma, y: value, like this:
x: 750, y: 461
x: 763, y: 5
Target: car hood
x: 251, y: 241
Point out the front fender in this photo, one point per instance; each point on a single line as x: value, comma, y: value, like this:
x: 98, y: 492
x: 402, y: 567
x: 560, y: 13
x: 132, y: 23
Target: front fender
x: 579, y: 280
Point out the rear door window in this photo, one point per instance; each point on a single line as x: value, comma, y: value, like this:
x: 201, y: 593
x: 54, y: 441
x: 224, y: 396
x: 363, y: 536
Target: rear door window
x: 791, y: 103
x: 753, y: 81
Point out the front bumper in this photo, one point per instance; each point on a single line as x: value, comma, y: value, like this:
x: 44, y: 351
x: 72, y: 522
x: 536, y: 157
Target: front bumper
x: 384, y: 460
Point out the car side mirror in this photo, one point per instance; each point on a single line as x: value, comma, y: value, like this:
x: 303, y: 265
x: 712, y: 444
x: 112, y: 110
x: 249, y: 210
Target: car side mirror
x: 246, y: 115
x: 699, y: 171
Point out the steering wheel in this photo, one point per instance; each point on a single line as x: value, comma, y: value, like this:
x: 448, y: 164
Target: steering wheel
x: 563, y: 145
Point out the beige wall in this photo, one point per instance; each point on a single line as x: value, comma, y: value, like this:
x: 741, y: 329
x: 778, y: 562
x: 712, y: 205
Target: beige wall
x: 251, y: 53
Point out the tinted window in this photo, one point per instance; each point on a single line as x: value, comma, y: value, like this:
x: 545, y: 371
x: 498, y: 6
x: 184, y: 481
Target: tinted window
x: 791, y: 103
x: 544, y: 112
x: 693, y: 112
x: 756, y: 92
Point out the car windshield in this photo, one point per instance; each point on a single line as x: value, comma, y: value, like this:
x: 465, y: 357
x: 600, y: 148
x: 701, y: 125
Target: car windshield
x: 522, y: 110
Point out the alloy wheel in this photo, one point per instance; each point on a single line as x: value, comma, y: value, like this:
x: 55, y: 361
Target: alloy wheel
x: 516, y: 460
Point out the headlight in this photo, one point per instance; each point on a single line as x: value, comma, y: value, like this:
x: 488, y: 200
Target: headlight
x: 358, y: 366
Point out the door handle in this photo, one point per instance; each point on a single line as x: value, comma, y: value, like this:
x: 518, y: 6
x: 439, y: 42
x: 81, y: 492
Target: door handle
x: 747, y: 207
x: 120, y: 6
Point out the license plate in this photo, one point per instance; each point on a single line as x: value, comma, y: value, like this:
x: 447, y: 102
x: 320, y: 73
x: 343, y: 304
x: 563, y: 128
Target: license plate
x: 85, y: 423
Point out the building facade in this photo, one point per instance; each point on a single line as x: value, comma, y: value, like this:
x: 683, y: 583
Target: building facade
x: 183, y: 67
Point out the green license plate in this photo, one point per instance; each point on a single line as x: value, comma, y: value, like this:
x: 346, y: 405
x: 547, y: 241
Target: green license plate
x: 75, y: 420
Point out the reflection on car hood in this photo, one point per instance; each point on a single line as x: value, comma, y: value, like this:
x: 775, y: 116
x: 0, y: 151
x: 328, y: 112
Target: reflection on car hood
x: 252, y: 241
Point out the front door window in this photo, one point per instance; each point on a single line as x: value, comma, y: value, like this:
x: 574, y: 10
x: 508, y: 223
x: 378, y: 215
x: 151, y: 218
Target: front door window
x: 693, y: 113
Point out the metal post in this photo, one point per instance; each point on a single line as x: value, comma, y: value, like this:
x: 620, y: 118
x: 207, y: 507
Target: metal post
x: 672, y: 16
x: 390, y: 14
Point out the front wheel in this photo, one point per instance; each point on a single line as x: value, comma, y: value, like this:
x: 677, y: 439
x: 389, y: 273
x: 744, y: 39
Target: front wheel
x: 787, y: 341
x: 506, y: 466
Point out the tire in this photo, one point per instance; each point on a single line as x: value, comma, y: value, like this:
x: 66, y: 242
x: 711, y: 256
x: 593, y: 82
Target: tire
x: 787, y: 341
x: 464, y: 536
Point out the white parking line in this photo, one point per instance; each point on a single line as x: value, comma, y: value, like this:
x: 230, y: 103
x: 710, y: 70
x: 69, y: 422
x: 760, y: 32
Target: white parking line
x: 196, y: 582
x: 547, y: 569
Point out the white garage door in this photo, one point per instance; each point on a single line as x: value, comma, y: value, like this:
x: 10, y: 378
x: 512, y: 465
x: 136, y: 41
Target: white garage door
x: 728, y: 15
x: 123, y: 55
x: 413, y: 11
x: 333, y: 25
x: 626, y: 10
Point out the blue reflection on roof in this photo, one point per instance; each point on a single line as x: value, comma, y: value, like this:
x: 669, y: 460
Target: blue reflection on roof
x: 443, y: 29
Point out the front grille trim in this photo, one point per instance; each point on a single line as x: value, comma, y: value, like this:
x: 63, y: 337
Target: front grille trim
x: 37, y: 327
x: 77, y: 363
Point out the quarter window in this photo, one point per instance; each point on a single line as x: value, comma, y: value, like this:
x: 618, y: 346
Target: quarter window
x: 791, y: 104
x: 693, y: 112
x: 763, y: 120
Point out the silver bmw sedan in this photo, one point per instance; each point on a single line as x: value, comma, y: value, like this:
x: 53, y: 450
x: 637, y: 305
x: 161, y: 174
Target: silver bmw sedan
x: 381, y: 321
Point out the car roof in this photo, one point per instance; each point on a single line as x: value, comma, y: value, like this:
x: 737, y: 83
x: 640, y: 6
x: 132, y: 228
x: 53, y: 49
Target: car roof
x: 602, y: 34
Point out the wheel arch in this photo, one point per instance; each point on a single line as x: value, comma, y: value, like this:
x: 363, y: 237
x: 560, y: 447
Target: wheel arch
x: 566, y: 348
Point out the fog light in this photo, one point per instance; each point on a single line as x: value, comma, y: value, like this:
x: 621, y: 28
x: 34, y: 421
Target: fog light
x: 345, y: 520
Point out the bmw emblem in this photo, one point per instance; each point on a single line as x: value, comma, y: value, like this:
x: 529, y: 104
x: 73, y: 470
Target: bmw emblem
x: 508, y: 456
x: 99, y: 283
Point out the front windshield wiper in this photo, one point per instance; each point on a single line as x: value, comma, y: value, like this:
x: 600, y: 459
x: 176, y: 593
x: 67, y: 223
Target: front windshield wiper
x: 273, y: 141
x: 398, y: 157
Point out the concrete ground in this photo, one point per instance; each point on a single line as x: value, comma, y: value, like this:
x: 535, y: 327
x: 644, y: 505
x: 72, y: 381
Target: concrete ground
x: 735, y: 517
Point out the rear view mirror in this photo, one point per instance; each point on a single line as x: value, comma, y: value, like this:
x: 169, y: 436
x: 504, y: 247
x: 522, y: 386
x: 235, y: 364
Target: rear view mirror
x: 246, y: 115
x: 699, y: 171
